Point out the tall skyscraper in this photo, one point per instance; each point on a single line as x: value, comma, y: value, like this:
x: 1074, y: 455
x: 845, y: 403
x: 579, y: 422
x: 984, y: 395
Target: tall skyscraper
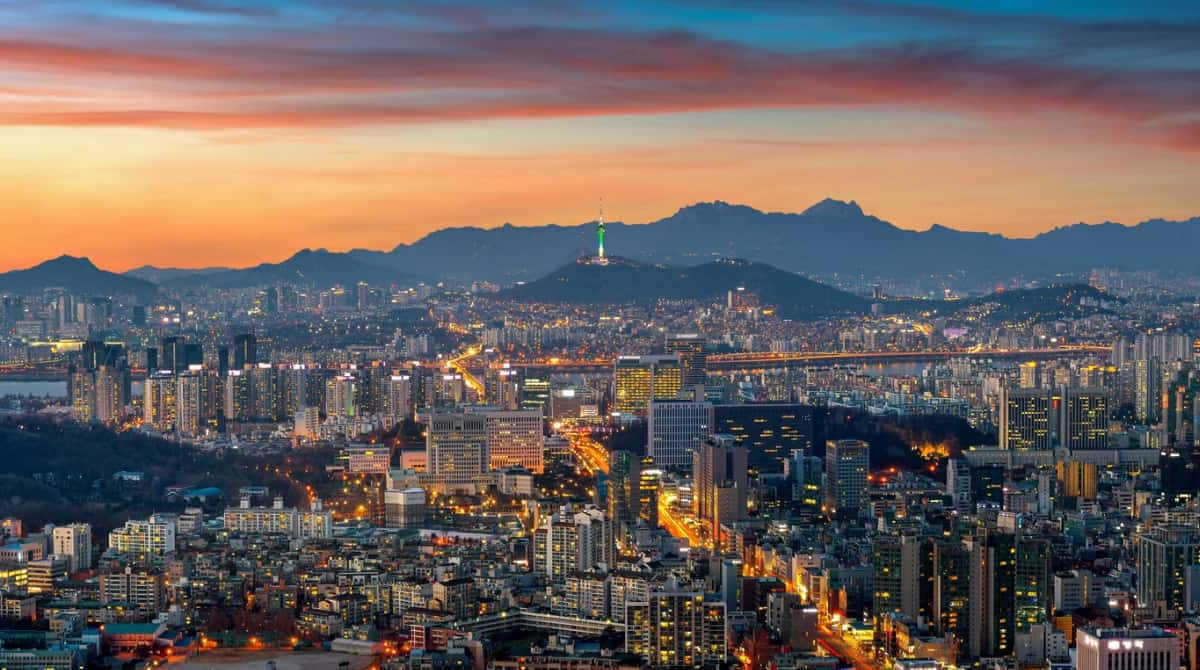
x: 691, y: 350
x: 721, y: 483
x: 1025, y: 422
x: 340, y: 395
x: 675, y: 431
x: 535, y: 392
x: 456, y: 450
x: 245, y: 350
x: 1083, y: 419
x: 1164, y: 551
x: 188, y: 397
x: 160, y: 404
x: 624, y: 477
x: 847, y: 463
x: 637, y: 380
x: 899, y: 566
x: 173, y: 358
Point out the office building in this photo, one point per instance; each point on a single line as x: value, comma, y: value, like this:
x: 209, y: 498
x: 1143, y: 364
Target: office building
x: 721, y: 483
x: 245, y: 351
x: 1025, y: 422
x: 1083, y: 419
x: 535, y: 393
x: 690, y: 349
x: 624, y: 478
x: 637, y: 380
x: 456, y: 447
x: 515, y: 438
x: 1077, y: 479
x: 404, y: 508
x: 1126, y: 649
x: 900, y: 562
x: 846, y: 465
x: 768, y: 431
x: 1164, y: 551
x: 675, y: 431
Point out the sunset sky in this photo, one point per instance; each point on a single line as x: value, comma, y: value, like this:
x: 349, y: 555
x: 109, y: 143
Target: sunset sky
x: 206, y: 132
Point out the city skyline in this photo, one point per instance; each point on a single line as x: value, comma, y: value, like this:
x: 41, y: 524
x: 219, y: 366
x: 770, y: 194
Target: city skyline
x: 155, y: 126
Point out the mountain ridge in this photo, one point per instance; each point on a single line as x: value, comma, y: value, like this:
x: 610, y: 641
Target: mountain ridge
x: 829, y: 238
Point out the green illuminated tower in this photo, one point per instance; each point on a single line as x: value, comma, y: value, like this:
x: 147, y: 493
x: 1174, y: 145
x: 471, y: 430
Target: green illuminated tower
x: 600, y: 231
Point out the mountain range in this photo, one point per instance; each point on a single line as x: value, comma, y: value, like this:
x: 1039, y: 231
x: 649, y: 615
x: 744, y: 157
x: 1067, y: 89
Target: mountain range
x: 622, y: 280
x: 77, y: 275
x: 831, y: 237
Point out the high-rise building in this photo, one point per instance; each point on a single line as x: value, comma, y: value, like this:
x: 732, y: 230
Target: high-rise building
x: 535, y: 393
x: 675, y: 431
x: 456, y: 447
x: 649, y: 478
x: 1122, y: 648
x: 340, y: 396
x: 160, y: 404
x: 721, y: 483
x: 397, y: 397
x: 846, y: 465
x: 1025, y: 422
x: 952, y: 591
x: 1083, y: 419
x: 676, y: 628
x: 958, y: 485
x: 624, y: 477
x: 637, y: 380
x: 75, y: 542
x: 690, y: 348
x: 899, y: 562
x: 245, y: 351
x: 189, y: 414
x: 570, y: 541
x: 173, y: 358
x: 1164, y: 551
x: 515, y: 438
x: 239, y: 396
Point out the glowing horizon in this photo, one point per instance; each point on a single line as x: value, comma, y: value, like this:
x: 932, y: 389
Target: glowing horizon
x: 192, y: 133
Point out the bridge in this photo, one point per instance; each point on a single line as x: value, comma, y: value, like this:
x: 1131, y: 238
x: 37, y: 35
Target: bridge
x: 771, y: 360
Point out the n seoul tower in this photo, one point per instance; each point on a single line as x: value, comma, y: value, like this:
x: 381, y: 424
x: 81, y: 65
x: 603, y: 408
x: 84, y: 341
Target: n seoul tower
x: 600, y: 230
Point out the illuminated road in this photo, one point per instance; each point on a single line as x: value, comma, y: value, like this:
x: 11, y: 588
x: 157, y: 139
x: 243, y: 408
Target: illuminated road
x: 457, y: 364
x: 844, y: 649
x: 755, y: 360
x: 591, y: 454
x: 676, y: 526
